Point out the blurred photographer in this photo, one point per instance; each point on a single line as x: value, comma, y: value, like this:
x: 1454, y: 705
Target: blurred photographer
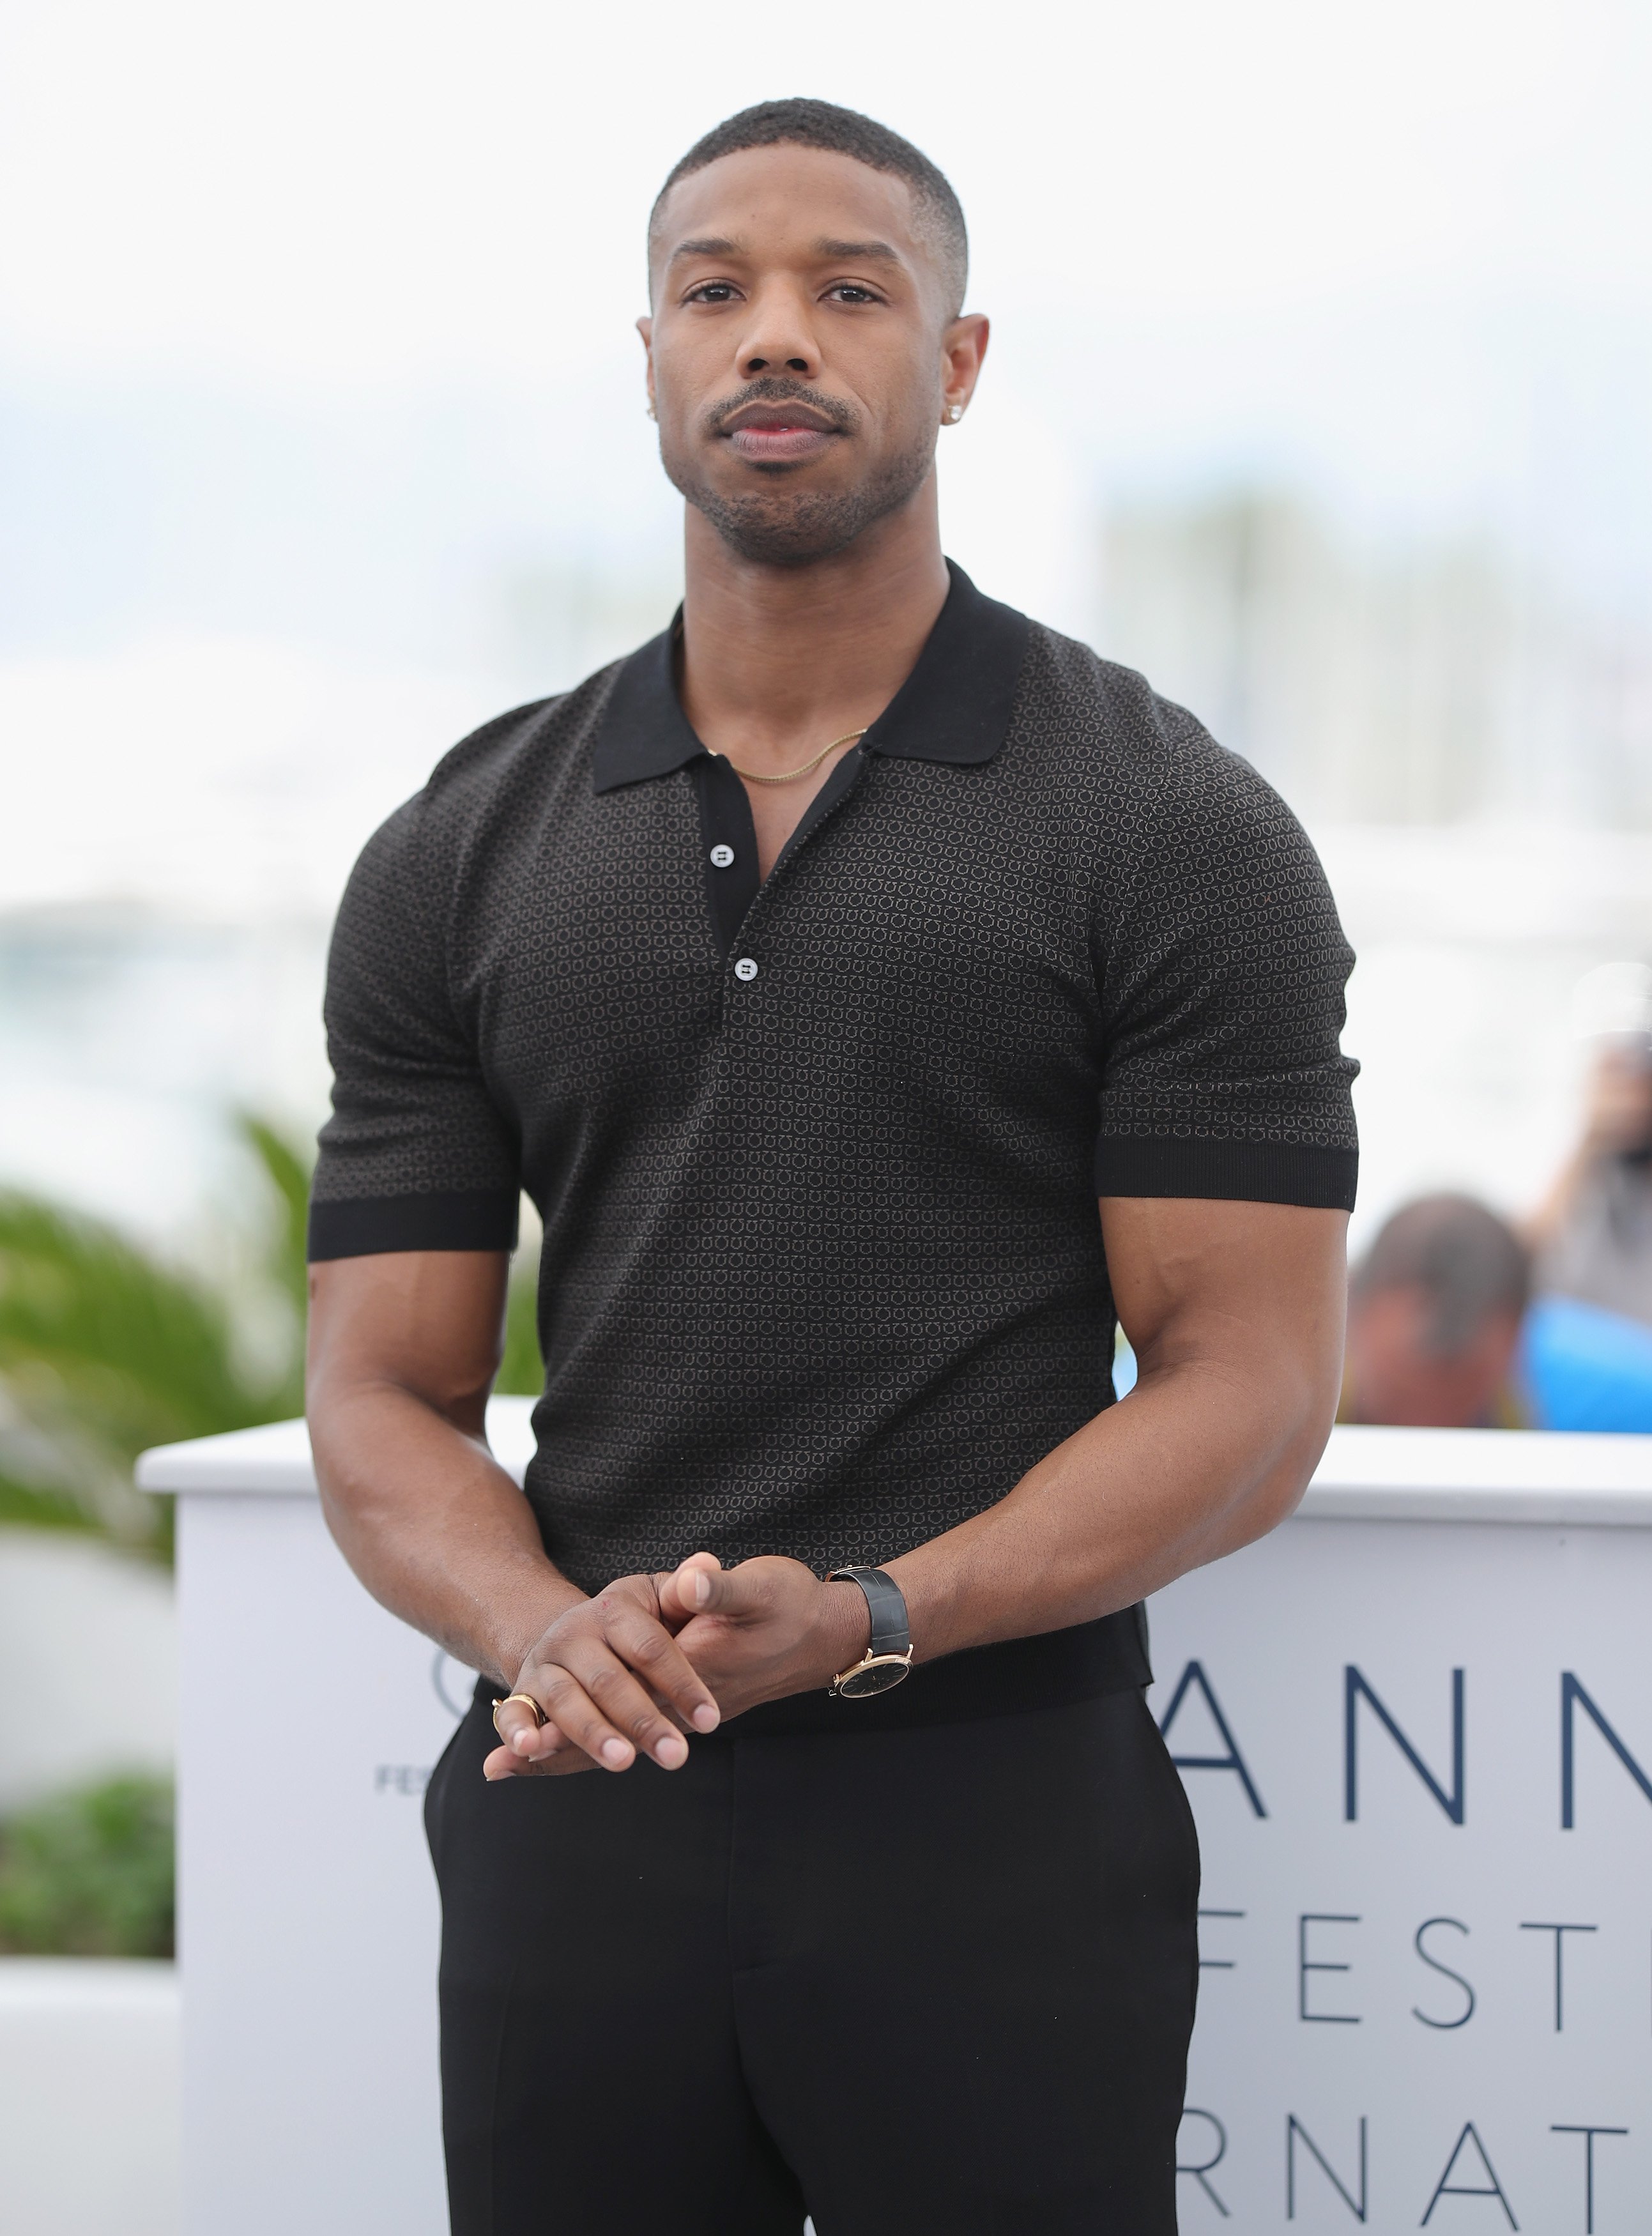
x: 1592, y: 1235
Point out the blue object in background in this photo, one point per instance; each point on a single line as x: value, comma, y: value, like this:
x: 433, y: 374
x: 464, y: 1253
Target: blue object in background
x: 1584, y: 1368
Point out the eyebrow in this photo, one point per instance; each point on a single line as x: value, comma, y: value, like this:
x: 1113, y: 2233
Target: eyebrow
x: 877, y: 252
x: 712, y: 244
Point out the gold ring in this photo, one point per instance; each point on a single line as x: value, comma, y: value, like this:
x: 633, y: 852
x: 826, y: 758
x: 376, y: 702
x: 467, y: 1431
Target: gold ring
x: 528, y: 1701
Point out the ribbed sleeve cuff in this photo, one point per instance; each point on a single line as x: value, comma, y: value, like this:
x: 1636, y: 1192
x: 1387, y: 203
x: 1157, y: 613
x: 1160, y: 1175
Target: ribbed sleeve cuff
x: 362, y: 1227
x: 1230, y: 1172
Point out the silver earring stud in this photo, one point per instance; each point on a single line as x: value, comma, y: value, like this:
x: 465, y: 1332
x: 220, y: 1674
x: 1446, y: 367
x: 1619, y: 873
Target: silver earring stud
x: 954, y: 413
x: 650, y: 409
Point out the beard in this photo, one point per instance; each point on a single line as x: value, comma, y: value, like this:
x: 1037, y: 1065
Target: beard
x: 776, y: 526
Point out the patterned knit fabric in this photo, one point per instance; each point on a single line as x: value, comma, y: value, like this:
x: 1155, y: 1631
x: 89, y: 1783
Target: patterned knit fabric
x: 823, y: 1274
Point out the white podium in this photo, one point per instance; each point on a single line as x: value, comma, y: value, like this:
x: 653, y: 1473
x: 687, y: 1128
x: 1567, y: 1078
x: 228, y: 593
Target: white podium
x: 1416, y: 1726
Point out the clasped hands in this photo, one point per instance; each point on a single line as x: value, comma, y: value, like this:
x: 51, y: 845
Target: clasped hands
x: 650, y: 1659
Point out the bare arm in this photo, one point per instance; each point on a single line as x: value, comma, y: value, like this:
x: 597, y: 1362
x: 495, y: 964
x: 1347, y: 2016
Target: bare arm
x: 1235, y: 1311
x: 404, y: 1347
x: 402, y: 1351
x: 1235, y: 1314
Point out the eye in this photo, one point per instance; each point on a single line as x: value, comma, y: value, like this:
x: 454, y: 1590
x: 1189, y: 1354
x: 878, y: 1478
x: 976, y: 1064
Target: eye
x: 847, y: 291
x: 712, y: 291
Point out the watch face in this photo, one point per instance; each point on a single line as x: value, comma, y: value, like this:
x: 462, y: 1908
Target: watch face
x: 874, y: 1676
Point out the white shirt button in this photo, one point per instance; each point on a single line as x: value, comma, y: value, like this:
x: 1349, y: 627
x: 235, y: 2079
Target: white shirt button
x: 746, y: 970
x: 722, y: 858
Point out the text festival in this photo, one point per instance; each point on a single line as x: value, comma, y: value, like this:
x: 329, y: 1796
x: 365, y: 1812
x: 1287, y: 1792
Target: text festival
x: 1324, y: 1941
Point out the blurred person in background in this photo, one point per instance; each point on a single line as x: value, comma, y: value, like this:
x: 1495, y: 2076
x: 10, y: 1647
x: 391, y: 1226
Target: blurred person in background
x: 1593, y: 1232
x: 1587, y: 1360
x: 1434, y: 1315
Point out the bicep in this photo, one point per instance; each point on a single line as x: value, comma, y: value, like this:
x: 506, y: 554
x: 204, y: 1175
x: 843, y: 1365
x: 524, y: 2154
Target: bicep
x: 1257, y: 1287
x: 428, y: 1322
x: 413, y: 1203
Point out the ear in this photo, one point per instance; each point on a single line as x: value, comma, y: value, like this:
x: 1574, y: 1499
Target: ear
x: 645, y: 327
x: 964, y: 347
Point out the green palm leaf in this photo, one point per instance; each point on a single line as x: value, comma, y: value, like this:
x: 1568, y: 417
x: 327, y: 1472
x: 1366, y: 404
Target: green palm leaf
x: 105, y: 1349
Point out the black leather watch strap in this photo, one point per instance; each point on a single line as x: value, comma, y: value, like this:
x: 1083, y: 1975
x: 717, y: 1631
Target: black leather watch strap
x: 887, y: 1604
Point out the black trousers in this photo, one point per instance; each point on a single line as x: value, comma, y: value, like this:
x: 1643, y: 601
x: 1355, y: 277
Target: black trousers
x: 916, y: 1970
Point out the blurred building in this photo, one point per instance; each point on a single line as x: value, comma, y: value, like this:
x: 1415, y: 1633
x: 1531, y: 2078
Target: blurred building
x: 1424, y: 684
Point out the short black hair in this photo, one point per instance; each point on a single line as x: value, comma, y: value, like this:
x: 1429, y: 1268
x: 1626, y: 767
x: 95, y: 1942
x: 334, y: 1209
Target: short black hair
x: 1468, y: 1263
x: 800, y: 123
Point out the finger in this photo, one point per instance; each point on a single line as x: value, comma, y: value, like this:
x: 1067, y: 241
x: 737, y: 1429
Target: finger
x: 534, y: 1746
x: 580, y: 1719
x: 702, y: 1588
x: 664, y: 1670
x: 691, y: 1587
x: 668, y: 1610
x: 515, y: 1721
x: 624, y: 1693
x: 702, y: 1642
x: 601, y: 1706
x: 523, y: 1742
x: 501, y: 1764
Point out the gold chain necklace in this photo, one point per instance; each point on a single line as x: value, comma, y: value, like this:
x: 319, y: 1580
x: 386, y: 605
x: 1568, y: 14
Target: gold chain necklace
x: 849, y: 738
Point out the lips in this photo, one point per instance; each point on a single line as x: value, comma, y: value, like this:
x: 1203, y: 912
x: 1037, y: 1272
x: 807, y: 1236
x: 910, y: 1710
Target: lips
x: 778, y: 434
x: 766, y: 445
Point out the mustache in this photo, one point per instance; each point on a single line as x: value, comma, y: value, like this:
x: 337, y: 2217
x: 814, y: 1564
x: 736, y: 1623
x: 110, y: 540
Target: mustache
x: 773, y: 390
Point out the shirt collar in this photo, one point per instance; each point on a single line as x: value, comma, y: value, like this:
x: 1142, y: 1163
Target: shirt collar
x: 954, y: 707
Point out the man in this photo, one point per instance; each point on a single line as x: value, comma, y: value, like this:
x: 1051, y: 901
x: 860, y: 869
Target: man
x: 817, y: 970
x: 1434, y: 1314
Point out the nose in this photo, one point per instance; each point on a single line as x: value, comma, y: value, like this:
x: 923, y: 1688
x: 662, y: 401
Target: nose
x: 778, y: 336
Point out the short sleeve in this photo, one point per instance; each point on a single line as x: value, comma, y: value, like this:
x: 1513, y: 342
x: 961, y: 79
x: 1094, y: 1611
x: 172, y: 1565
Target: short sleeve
x: 1223, y: 972
x: 416, y: 1155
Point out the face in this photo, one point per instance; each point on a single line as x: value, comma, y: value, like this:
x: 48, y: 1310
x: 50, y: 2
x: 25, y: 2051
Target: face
x: 1393, y: 1378
x: 802, y: 353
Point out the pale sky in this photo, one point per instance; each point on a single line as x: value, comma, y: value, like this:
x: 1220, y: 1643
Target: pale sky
x: 317, y: 368
x: 333, y: 191
x: 1287, y: 229
x: 316, y: 360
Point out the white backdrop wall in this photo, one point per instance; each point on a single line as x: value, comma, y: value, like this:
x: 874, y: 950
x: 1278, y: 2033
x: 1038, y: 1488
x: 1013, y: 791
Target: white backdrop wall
x: 1419, y: 1757
x: 1416, y: 1726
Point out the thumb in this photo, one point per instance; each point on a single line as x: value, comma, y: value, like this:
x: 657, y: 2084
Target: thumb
x: 695, y: 1586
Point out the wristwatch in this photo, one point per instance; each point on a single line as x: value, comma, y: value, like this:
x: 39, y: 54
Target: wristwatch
x: 889, y: 1657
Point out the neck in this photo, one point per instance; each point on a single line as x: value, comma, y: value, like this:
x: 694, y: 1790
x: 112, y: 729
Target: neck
x: 777, y: 661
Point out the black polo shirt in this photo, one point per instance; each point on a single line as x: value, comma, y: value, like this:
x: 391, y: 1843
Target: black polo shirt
x: 817, y: 1160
